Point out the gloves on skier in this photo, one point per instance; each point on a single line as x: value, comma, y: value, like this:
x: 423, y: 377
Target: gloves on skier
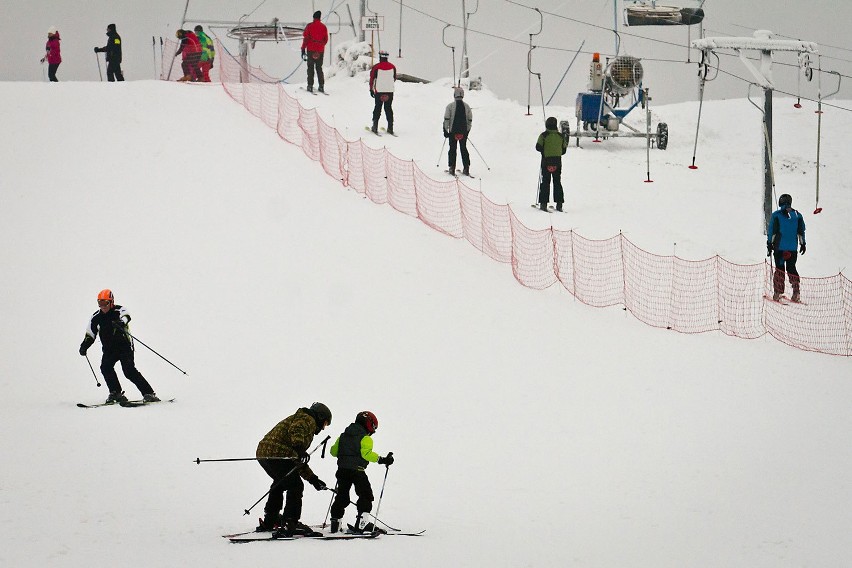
x: 42, y: 59
x: 87, y: 342
x: 97, y: 49
x: 802, y: 248
x: 318, y: 483
x: 768, y: 249
x: 446, y: 134
x: 304, y: 55
x: 387, y: 460
x: 304, y: 457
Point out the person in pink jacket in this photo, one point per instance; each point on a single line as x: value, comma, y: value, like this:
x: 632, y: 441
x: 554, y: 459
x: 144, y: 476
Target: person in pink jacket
x: 52, y: 56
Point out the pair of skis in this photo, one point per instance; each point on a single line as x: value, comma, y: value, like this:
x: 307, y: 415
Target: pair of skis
x: 784, y: 300
x: 382, y: 129
x: 244, y: 538
x: 550, y: 208
x: 458, y: 173
x: 127, y: 404
x: 314, y: 92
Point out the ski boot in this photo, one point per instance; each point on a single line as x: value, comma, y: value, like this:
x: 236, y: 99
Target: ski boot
x: 116, y: 397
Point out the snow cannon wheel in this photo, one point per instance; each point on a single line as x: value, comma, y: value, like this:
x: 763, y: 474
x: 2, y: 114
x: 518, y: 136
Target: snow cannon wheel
x: 662, y: 135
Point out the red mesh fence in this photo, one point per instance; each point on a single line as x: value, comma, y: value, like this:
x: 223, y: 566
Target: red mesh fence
x: 661, y: 291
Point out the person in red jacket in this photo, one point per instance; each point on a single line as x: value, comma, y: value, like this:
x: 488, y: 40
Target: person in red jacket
x: 313, y: 47
x: 382, y: 79
x: 52, y: 56
x: 190, y: 48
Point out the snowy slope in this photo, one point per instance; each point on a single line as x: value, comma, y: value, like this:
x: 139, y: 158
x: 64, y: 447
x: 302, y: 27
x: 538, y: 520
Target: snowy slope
x: 529, y: 430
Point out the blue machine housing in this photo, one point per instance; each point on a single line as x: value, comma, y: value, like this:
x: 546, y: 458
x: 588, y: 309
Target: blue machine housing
x: 588, y: 107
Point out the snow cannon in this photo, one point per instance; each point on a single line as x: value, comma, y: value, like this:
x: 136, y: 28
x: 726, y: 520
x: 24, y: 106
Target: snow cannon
x: 600, y: 112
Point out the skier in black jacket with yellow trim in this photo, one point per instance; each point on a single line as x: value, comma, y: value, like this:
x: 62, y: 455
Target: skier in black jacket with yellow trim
x: 113, y: 54
x: 110, y: 322
x: 354, y: 451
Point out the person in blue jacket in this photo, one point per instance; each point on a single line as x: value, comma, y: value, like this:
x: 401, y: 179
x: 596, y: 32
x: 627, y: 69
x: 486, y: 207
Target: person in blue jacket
x: 354, y: 451
x: 784, y: 235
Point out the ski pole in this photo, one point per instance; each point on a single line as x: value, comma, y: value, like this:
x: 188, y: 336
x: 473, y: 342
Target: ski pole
x: 279, y: 481
x: 124, y: 329
x: 477, y: 152
x: 199, y: 460
x: 444, y: 143
x: 372, y: 515
x: 330, y: 501
x: 154, y: 50
x: 99, y: 66
x: 97, y: 382
x: 381, y: 494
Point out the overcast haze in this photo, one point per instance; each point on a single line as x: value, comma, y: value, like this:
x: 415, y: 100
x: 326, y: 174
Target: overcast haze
x: 501, y: 63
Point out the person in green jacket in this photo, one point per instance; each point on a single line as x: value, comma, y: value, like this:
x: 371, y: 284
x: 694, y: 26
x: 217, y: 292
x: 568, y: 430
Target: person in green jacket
x: 208, y: 53
x: 552, y: 146
x: 354, y: 451
x: 283, y: 455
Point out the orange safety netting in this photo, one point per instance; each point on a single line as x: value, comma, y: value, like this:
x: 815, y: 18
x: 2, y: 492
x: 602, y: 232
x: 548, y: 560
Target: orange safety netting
x: 661, y: 291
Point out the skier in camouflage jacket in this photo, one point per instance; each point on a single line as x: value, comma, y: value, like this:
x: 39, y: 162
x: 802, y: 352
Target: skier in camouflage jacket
x: 283, y: 455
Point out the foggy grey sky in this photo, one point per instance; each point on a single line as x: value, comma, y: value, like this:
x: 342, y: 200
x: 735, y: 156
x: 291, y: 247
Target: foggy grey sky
x: 502, y: 64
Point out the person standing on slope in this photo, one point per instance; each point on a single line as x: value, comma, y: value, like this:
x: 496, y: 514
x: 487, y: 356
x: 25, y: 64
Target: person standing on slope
x: 113, y: 54
x: 382, y: 79
x: 354, y: 451
x: 111, y: 323
x: 190, y: 51
x: 458, y: 120
x: 314, y: 39
x: 52, y: 56
x: 552, y: 145
x: 786, y: 232
x: 283, y: 455
x: 208, y: 53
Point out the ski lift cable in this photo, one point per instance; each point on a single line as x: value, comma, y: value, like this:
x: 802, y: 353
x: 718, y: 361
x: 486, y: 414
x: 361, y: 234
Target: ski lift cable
x: 744, y: 80
x: 567, y: 50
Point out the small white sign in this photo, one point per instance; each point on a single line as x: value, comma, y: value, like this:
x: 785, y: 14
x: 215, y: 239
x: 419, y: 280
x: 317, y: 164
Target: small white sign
x: 373, y: 23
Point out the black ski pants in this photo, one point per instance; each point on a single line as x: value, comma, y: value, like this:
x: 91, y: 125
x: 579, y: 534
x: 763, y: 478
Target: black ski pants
x: 544, y: 189
x: 462, y: 146
x: 51, y: 72
x: 377, y: 109
x: 113, y: 71
x: 123, y: 354
x: 315, y: 66
x: 346, y: 478
x: 278, y: 470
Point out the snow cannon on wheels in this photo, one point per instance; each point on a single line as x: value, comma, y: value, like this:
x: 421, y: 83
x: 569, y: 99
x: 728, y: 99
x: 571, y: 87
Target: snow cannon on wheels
x: 600, y: 111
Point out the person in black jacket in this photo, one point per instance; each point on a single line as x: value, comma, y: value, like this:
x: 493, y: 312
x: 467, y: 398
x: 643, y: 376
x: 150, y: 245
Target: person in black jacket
x: 354, y: 451
x: 113, y: 54
x: 110, y: 321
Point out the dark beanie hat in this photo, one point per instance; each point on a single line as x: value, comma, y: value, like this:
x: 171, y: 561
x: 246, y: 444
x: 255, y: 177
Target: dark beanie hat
x: 550, y: 123
x: 317, y: 15
x: 111, y: 27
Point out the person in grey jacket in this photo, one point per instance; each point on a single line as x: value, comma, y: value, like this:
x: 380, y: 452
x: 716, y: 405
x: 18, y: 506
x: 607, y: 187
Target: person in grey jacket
x: 458, y: 120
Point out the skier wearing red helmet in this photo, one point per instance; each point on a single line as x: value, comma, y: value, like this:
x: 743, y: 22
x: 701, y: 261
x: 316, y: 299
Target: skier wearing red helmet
x: 354, y: 451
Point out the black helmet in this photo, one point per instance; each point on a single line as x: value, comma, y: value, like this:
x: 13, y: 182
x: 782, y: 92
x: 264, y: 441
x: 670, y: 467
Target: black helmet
x: 785, y: 201
x: 322, y: 413
x: 368, y: 420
